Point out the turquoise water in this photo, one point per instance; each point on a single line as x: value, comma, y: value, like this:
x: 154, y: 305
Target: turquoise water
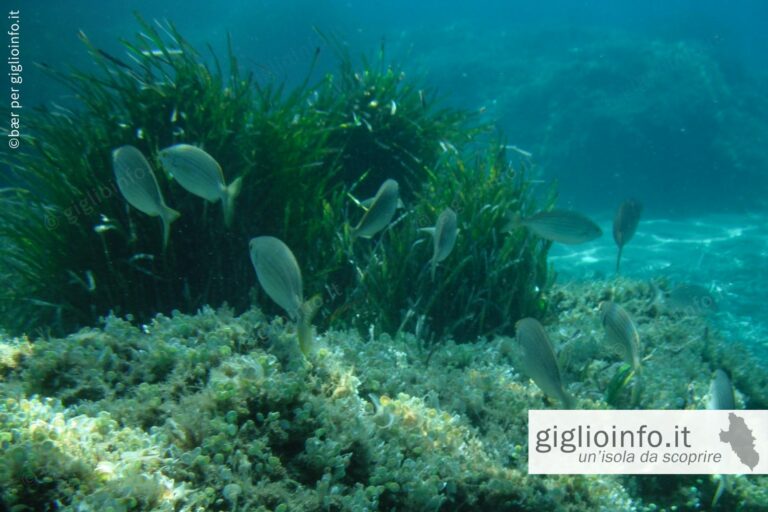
x: 725, y: 254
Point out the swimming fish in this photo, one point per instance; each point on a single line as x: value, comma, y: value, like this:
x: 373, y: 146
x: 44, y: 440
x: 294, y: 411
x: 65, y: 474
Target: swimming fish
x: 564, y: 226
x: 444, y: 236
x: 381, y: 211
x: 280, y: 276
x: 625, y: 224
x: 692, y: 299
x: 721, y: 392
x: 538, y: 359
x: 278, y: 273
x: 721, y: 397
x: 621, y: 333
x: 138, y: 185
x: 200, y: 174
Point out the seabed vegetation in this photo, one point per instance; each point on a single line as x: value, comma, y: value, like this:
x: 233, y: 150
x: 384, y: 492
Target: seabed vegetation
x: 215, y: 411
x: 183, y: 387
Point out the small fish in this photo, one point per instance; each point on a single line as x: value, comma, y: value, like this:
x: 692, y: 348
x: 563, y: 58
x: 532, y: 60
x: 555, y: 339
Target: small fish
x: 564, y: 226
x: 138, y: 185
x: 621, y: 333
x: 280, y: 276
x: 278, y: 273
x: 539, y: 360
x: 625, y: 224
x: 721, y: 397
x: 692, y: 299
x: 721, y: 392
x: 444, y: 236
x: 199, y: 173
x: 381, y: 211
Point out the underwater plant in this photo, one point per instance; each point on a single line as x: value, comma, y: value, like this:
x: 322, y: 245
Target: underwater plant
x: 490, y: 279
x: 73, y: 249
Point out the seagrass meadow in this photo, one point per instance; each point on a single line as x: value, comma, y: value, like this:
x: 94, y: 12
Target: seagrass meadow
x: 73, y: 250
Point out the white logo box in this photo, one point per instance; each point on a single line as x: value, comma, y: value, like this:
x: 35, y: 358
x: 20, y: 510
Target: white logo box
x: 648, y: 442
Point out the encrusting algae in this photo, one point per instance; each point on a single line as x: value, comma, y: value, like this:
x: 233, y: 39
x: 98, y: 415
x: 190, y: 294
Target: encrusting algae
x: 214, y: 410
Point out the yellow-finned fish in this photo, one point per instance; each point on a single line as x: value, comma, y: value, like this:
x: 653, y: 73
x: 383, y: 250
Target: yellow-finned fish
x: 539, y: 362
x: 381, y: 211
x: 280, y: 276
x: 625, y: 224
x: 138, y: 184
x: 721, y: 398
x: 444, y: 236
x: 278, y: 273
x: 563, y: 226
x: 199, y: 173
x: 621, y: 333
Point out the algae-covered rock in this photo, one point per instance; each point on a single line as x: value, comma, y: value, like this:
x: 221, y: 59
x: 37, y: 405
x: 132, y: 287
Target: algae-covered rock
x: 216, y: 411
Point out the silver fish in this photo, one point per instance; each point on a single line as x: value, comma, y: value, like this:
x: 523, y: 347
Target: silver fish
x: 278, y: 273
x: 280, y: 276
x: 539, y: 360
x: 721, y: 392
x: 621, y: 333
x: 138, y: 185
x: 691, y: 299
x: 721, y: 397
x: 199, y: 173
x: 444, y: 237
x: 564, y: 226
x: 381, y: 211
x: 625, y: 224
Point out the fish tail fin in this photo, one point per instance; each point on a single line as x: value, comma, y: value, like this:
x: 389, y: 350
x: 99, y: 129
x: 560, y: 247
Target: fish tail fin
x: 568, y: 401
x: 722, y: 486
x: 637, y: 386
x: 618, y: 259
x: 228, y: 201
x: 168, y: 215
x: 307, y: 312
